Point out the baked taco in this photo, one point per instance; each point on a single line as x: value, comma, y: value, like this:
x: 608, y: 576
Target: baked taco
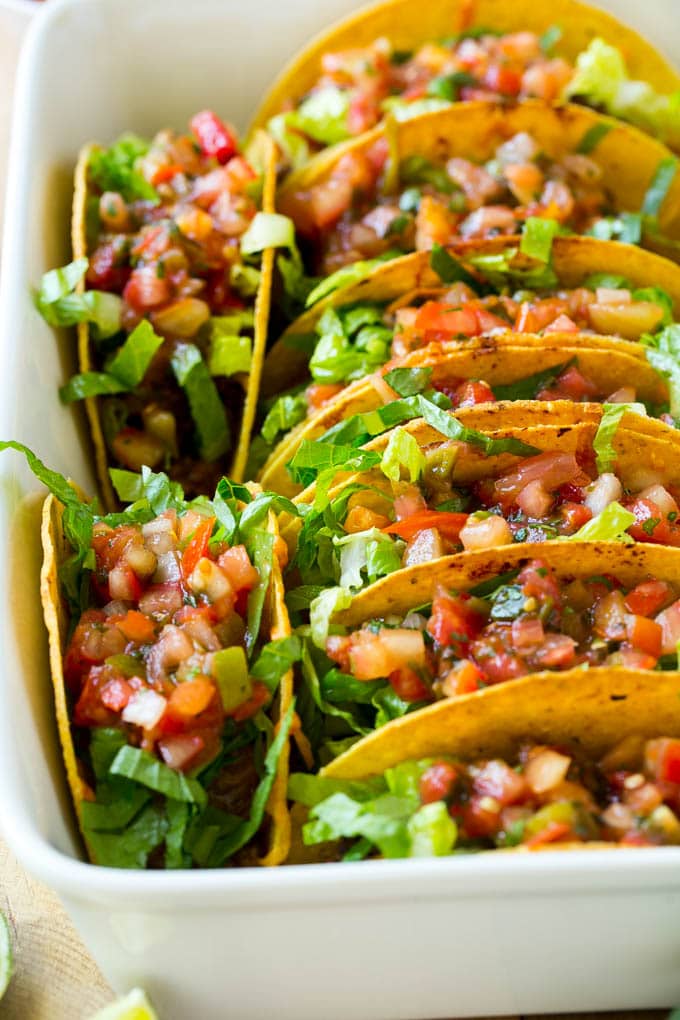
x: 401, y: 58
x: 548, y: 762
x: 481, y: 170
x: 501, y: 327
x: 522, y: 472
x: 170, y: 289
x: 467, y: 622
x: 169, y: 649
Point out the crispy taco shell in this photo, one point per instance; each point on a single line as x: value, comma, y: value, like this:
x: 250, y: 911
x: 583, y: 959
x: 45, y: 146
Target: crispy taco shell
x: 573, y: 260
x: 594, y: 708
x: 276, y: 624
x: 647, y: 451
x: 498, y: 360
x: 82, y: 192
x: 407, y: 25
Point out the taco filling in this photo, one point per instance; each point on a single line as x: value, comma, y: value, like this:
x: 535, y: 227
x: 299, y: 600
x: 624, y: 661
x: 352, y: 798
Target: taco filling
x: 165, y: 225
x: 363, y: 340
x: 350, y: 216
x: 545, y: 796
x: 358, y: 87
x: 463, y: 642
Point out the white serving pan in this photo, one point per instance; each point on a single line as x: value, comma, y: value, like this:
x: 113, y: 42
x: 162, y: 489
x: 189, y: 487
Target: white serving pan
x: 467, y: 936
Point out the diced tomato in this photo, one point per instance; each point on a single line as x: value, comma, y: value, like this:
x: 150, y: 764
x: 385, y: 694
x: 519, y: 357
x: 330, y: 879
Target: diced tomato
x: 562, y: 324
x: 82, y: 651
x: 486, y: 321
x: 573, y: 383
x: 496, y: 779
x: 252, y: 706
x: 552, y: 833
x: 538, y: 580
x: 662, y: 759
x: 191, y: 698
x: 570, y: 493
x: 481, y: 818
x: 239, y: 174
x: 408, y: 685
x: 214, y: 137
x: 235, y: 563
x: 115, y: 694
x: 454, y: 622
x: 437, y: 782
x: 473, y: 392
x: 495, y: 657
x: 464, y: 678
x: 137, y: 627
x: 651, y: 524
x: 446, y: 320
x: 557, y: 652
x: 180, y: 751
x: 632, y: 658
x: 648, y: 597
x: 319, y: 394
x: 645, y: 635
x: 378, y: 655
x: 197, y: 546
x: 104, y: 273
x: 90, y: 709
x: 338, y: 649
x: 669, y: 619
x: 361, y: 518
x: 534, y: 316
x: 447, y: 524
x: 574, y: 516
x: 166, y: 173
x: 504, y: 79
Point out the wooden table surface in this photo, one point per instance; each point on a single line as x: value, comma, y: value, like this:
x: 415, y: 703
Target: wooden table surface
x: 57, y: 979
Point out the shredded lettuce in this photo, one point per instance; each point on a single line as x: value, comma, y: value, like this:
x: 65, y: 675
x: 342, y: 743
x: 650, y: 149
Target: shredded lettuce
x: 124, y: 372
x: 286, y: 412
x: 450, y: 270
x: 402, y: 454
x: 406, y: 382
x: 143, y: 768
x: 294, y: 147
x: 660, y: 184
x: 114, y: 169
x: 59, y: 305
x: 155, y: 488
x: 275, y: 659
x: 448, y: 86
x: 609, y: 526
x: 360, y: 428
x: 432, y: 831
x: 323, y: 115
x: 537, y: 238
x: 527, y: 388
x: 626, y: 227
x: 353, y: 343
x: 506, y: 269
x: 268, y: 230
x: 347, y: 275
x: 602, y: 80
x: 207, y: 410
x: 663, y: 354
x: 324, y: 606
x: 603, y: 443
x: 371, y: 551
x: 415, y: 170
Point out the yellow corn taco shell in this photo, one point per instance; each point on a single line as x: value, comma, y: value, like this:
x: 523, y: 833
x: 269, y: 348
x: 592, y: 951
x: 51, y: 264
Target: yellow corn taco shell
x: 647, y: 451
x: 499, y: 360
x: 594, y: 708
x: 266, y: 155
x: 275, y: 623
x: 573, y: 260
x: 627, y: 157
x: 407, y: 25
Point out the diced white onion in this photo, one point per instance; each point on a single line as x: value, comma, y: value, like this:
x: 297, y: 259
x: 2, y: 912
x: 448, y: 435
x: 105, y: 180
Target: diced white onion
x: 604, y: 490
x: 145, y: 708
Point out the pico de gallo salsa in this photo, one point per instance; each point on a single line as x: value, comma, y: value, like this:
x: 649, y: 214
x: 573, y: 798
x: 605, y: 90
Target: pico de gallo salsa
x: 546, y: 796
x: 172, y: 687
x: 358, y: 87
x: 165, y: 222
x: 464, y: 642
x: 380, y: 526
x: 348, y: 217
x: 367, y: 339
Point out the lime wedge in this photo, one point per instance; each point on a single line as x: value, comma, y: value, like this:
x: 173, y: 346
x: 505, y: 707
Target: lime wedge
x: 6, y: 956
x: 133, y: 1006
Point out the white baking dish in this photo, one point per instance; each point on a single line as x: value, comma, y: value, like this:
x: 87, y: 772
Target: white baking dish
x: 465, y: 936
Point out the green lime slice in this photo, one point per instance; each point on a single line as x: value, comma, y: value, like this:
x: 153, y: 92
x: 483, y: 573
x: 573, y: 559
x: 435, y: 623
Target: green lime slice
x: 133, y: 1006
x: 6, y: 955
